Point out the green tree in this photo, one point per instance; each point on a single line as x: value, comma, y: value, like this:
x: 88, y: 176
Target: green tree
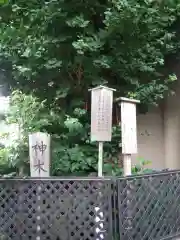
x: 58, y: 49
x: 72, y: 151
x: 27, y: 115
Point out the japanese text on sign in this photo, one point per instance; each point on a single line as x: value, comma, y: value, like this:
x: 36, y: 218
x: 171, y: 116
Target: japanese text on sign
x: 101, y: 115
x: 39, y: 149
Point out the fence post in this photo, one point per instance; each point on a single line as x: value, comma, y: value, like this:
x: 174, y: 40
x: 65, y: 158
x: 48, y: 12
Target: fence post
x: 39, y: 152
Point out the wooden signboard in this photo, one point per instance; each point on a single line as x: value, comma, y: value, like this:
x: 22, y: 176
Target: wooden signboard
x: 101, y: 114
x: 128, y: 126
x: 39, y: 150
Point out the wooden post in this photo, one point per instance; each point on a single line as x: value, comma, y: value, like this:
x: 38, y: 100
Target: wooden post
x: 129, y: 144
x: 101, y: 119
x: 100, y: 160
x: 101, y: 131
x: 39, y: 151
x: 129, y: 131
x: 127, y: 164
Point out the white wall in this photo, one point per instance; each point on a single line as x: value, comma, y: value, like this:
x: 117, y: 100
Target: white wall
x: 159, y: 134
x: 150, y: 138
x: 172, y: 129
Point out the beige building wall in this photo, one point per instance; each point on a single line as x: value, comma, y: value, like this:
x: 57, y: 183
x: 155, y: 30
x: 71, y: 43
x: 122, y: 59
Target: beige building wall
x: 150, y: 137
x: 172, y: 130
x: 159, y: 134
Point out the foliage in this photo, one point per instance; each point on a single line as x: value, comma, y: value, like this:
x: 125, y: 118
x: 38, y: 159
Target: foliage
x: 54, y: 52
x: 59, y: 51
x: 26, y: 115
x: 72, y: 151
x: 81, y: 156
x: 5, y: 167
x: 141, y: 167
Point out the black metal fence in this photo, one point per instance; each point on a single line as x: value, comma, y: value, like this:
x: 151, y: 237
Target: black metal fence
x: 55, y: 209
x: 149, y: 206
x: 133, y: 208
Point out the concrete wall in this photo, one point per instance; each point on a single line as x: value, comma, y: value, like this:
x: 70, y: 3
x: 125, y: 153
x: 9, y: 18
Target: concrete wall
x: 150, y: 138
x: 172, y: 130
x: 159, y: 134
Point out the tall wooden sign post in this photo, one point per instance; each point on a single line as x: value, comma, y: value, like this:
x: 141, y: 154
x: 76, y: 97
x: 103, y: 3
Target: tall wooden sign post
x: 101, y: 119
x: 101, y: 131
x: 39, y: 152
x: 128, y: 131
